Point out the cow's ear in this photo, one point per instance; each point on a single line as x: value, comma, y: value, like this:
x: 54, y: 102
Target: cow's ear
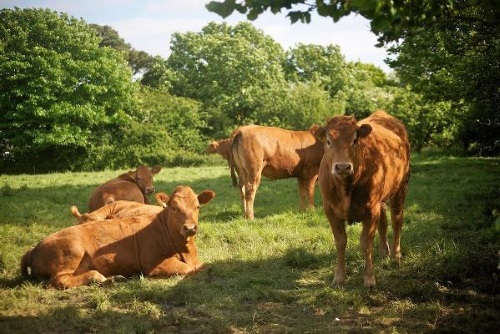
x: 364, y: 130
x: 318, y: 131
x: 162, y: 199
x: 156, y: 169
x: 132, y: 174
x: 206, y: 196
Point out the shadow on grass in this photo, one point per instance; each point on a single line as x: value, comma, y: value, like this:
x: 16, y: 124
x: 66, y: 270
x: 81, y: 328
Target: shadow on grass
x: 229, y: 296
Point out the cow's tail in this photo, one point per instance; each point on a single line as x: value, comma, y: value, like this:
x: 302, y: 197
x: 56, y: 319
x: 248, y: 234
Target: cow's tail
x: 26, y: 270
x: 234, y: 149
x: 75, y: 212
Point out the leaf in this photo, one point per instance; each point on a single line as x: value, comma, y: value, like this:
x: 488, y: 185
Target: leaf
x: 223, y: 9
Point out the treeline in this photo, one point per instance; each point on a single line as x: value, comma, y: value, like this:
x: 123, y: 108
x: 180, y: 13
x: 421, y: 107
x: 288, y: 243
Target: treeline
x: 75, y: 96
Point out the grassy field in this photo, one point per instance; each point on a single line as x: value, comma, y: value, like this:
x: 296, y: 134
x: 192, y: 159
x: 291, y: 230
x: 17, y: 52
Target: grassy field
x: 272, y: 275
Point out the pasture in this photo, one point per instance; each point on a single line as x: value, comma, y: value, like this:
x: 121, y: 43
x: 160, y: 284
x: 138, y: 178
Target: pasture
x: 272, y: 275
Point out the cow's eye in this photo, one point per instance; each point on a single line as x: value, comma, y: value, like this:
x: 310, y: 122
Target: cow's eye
x: 328, y: 142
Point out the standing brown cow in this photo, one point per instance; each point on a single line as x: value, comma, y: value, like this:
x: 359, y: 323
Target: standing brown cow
x: 277, y: 154
x: 130, y: 186
x: 365, y: 164
x: 157, y: 245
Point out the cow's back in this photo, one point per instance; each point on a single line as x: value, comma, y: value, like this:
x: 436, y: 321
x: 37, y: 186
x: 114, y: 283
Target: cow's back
x: 281, y: 153
x: 387, y: 155
x: 114, y: 190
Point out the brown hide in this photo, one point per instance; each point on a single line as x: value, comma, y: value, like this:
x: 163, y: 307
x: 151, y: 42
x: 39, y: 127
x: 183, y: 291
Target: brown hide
x: 365, y: 164
x: 118, y: 209
x: 222, y: 147
x: 275, y: 153
x: 130, y: 186
x: 153, y: 245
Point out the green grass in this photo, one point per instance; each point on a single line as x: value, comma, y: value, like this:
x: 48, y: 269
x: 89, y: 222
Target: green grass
x: 272, y: 275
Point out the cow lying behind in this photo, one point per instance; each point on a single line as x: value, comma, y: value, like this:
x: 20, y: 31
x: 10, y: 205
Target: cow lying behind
x: 155, y: 245
x: 130, y: 186
x: 366, y: 163
x: 121, y: 209
x: 277, y: 154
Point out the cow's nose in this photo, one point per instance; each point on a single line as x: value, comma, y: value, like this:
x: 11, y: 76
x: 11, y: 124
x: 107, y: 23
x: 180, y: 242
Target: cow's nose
x: 343, y: 168
x: 190, y: 230
x: 150, y: 190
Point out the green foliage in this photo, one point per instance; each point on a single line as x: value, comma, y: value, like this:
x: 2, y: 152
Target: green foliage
x: 324, y: 64
x: 165, y: 130
x: 227, y: 68
x: 139, y: 61
x: 457, y: 59
x: 58, y: 88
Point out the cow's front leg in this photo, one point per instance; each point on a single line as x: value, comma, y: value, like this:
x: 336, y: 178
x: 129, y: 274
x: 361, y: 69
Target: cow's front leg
x: 172, y: 267
x: 340, y: 239
x: 366, y: 243
x: 69, y: 280
x: 306, y: 192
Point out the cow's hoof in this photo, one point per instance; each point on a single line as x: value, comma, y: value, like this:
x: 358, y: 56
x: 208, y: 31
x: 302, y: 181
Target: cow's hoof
x: 370, y: 283
x: 114, y: 279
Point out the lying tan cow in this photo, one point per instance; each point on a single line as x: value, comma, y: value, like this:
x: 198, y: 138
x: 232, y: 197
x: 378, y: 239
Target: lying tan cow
x: 366, y: 164
x: 130, y: 186
x: 277, y: 154
x: 121, y: 209
x: 155, y: 245
x: 222, y: 147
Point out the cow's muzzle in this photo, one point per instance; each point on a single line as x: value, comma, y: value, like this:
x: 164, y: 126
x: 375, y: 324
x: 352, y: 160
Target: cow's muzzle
x: 342, y: 169
x: 188, y: 230
x: 150, y: 190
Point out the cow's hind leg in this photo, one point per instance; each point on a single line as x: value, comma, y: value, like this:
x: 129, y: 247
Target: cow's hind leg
x: 70, y: 280
x: 382, y: 233
x: 397, y: 208
x: 251, y: 187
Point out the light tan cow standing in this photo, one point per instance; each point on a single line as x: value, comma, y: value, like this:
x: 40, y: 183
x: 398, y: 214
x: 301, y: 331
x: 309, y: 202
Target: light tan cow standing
x: 158, y: 245
x: 365, y: 165
x: 277, y: 154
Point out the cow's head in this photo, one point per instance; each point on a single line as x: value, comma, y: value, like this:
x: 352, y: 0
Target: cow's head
x: 212, y: 147
x: 143, y: 177
x: 341, y: 137
x: 183, y: 207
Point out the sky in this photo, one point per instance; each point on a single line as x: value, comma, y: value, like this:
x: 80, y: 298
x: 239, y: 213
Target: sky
x: 147, y: 25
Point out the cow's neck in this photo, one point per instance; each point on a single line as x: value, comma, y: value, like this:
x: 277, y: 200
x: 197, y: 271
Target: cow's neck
x: 174, y: 239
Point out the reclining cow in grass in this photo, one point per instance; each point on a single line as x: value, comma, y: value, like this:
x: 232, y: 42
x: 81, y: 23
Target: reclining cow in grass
x: 159, y: 245
x: 121, y: 209
x: 131, y: 186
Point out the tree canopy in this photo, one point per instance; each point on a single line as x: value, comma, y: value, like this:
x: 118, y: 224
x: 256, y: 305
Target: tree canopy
x: 59, y: 91
x: 447, y: 50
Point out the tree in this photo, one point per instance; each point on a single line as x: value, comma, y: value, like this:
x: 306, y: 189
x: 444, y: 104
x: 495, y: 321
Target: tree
x: 229, y: 69
x: 139, y: 61
x: 325, y: 64
x: 445, y: 49
x: 458, y: 60
x: 61, y: 94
